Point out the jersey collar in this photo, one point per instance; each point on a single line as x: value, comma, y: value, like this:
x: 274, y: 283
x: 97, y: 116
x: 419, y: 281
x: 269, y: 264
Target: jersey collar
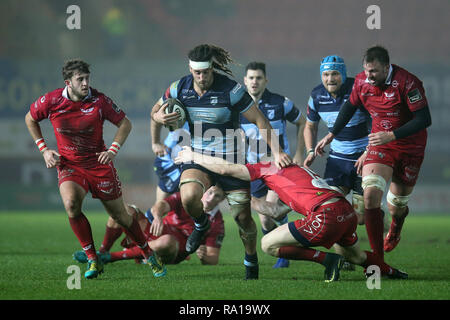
x: 65, y: 94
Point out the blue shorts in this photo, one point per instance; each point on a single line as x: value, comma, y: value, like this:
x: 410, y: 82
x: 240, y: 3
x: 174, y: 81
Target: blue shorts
x: 168, y: 175
x: 341, y: 172
x: 226, y: 183
x: 258, y: 188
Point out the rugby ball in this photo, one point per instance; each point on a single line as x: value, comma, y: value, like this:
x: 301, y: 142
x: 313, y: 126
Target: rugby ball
x: 175, y: 105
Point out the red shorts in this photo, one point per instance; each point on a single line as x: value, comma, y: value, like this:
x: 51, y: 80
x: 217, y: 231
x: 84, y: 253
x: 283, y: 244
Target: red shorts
x: 406, y: 165
x: 102, y: 181
x: 179, y: 236
x: 329, y: 224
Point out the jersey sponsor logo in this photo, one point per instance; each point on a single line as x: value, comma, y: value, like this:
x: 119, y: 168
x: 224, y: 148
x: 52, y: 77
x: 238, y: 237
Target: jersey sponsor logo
x: 394, y: 83
x: 390, y: 95
x: 42, y: 99
x: 214, y: 100
x: 86, y: 111
x: 315, y: 225
x: 270, y: 114
x: 414, y: 96
x: 325, y: 102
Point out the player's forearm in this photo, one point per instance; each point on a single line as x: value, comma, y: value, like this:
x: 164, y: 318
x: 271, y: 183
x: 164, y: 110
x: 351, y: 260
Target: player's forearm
x: 222, y: 167
x: 421, y: 120
x: 155, y: 131
x: 345, y: 114
x: 160, y: 209
x: 123, y: 131
x: 33, y: 127
x: 310, y: 135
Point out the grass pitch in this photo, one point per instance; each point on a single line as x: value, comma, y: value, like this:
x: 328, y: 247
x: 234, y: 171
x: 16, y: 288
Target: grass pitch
x: 36, y: 251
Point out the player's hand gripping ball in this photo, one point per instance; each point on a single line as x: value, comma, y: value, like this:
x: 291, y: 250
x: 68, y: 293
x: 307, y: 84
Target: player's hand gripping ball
x: 175, y: 105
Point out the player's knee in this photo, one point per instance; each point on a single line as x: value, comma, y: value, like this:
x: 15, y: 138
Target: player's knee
x: 397, y: 201
x: 73, y: 207
x: 268, y: 247
x: 374, y: 186
x: 239, y: 202
x: 373, y: 181
x: 192, y: 193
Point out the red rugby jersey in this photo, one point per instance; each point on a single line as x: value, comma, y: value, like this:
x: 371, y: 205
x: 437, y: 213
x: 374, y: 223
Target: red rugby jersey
x: 180, y: 219
x: 78, y: 126
x: 298, y: 187
x: 393, y: 104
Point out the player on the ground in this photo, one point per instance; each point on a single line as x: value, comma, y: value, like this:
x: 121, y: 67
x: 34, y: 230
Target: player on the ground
x: 330, y: 218
x: 167, y: 227
x: 84, y: 164
x: 214, y: 102
x: 400, y: 115
x: 277, y: 109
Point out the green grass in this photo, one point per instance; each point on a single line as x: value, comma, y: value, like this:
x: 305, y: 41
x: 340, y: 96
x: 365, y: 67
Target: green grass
x: 36, y: 250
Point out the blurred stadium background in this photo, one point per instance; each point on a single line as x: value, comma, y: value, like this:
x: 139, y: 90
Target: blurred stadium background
x: 137, y: 48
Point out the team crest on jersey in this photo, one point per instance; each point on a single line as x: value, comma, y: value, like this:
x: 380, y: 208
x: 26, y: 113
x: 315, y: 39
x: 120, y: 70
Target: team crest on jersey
x: 386, y: 124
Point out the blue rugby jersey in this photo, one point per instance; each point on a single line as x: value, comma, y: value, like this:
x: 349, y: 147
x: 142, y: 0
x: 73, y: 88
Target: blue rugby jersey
x: 277, y: 109
x: 353, y: 138
x: 214, y: 117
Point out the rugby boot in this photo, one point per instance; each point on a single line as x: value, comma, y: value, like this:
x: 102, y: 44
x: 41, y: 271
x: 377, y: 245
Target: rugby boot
x: 80, y: 256
x: 94, y: 268
x: 252, y: 272
x: 196, y: 237
x: 281, y: 263
x: 157, y: 266
x: 333, y: 263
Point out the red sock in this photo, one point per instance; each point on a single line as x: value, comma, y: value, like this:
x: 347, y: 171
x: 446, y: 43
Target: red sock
x: 374, y: 227
x: 131, y: 253
x: 300, y: 253
x: 137, y: 236
x: 82, y: 229
x: 374, y: 259
x: 111, y: 235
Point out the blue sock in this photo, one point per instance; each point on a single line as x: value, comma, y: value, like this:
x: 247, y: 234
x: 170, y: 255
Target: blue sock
x: 251, y: 260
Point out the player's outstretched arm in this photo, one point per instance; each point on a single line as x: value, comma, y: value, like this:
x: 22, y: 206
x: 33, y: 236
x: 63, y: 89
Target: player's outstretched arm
x: 214, y: 164
x: 159, y: 210
x: 310, y: 134
x: 277, y: 210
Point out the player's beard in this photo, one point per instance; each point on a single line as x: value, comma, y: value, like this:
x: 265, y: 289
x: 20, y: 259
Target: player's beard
x: 80, y: 94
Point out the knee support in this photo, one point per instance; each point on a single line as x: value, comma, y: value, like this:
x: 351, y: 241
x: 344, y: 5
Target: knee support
x: 193, y: 180
x: 375, y: 181
x: 397, y: 201
x: 358, y: 203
